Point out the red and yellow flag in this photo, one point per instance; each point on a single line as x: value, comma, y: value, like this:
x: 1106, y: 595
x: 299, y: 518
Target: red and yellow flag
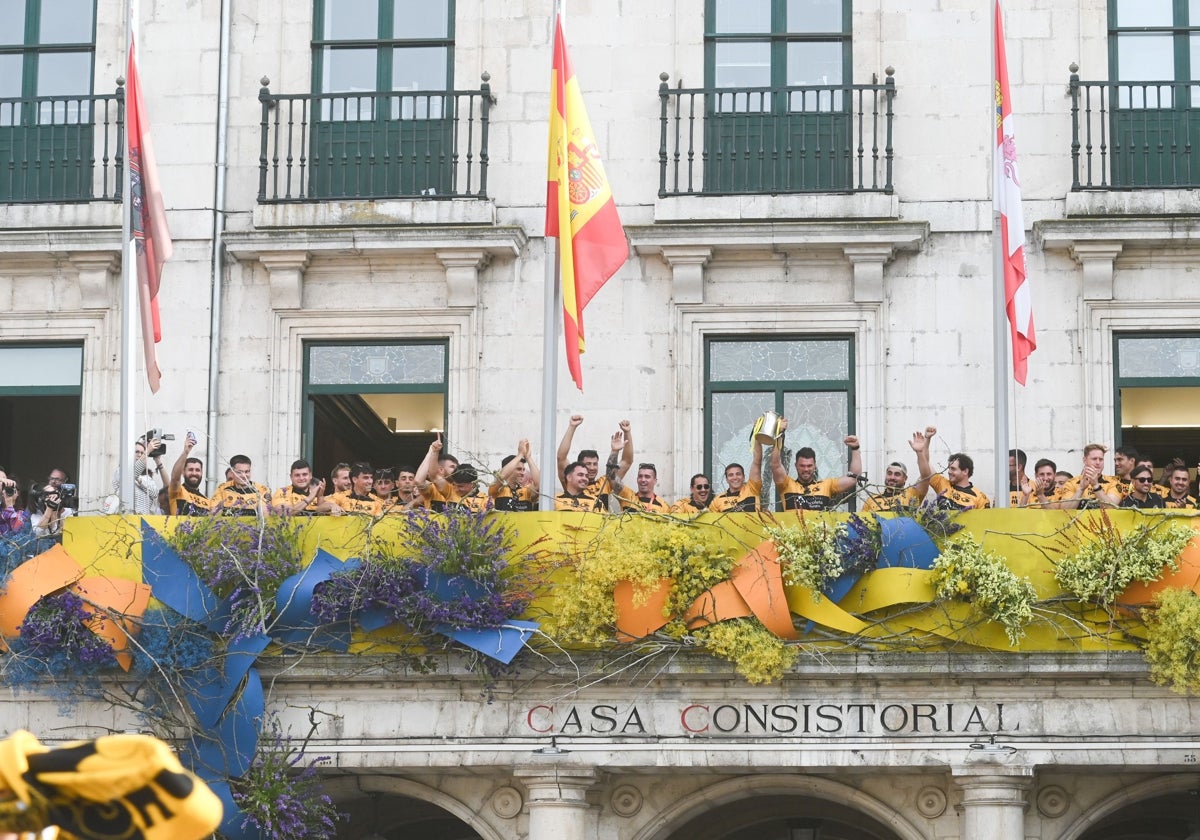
x: 580, y: 211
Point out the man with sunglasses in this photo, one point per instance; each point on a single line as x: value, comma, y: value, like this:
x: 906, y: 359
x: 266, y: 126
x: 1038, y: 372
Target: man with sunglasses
x: 699, y: 500
x: 1141, y: 490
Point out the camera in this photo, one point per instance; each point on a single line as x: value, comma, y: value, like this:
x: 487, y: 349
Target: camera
x: 159, y: 450
x: 8, y: 488
x: 67, y: 496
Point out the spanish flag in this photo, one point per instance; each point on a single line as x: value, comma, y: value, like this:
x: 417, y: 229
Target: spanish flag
x: 580, y: 211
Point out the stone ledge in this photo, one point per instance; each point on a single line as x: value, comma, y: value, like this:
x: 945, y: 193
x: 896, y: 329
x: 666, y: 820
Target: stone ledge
x: 1102, y: 203
x: 822, y: 206
x: 322, y: 214
x: 94, y: 214
x: 496, y: 240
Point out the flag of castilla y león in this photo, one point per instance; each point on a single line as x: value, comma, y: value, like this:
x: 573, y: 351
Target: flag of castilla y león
x: 580, y: 211
x: 1006, y: 194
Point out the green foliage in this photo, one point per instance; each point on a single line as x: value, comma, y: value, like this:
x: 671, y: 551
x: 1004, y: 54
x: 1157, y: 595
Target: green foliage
x: 1173, y: 646
x: 809, y: 553
x: 642, y: 552
x: 759, y: 655
x: 1107, y: 561
x: 966, y: 572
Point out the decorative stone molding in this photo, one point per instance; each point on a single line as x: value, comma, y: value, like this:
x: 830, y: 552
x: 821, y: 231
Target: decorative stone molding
x: 687, y: 266
x: 994, y: 797
x: 1097, y: 260
x: 1053, y: 801
x: 285, y: 273
x: 868, y: 261
x: 507, y: 802
x: 95, y: 271
x: 931, y: 802
x: 462, y: 274
x: 626, y: 800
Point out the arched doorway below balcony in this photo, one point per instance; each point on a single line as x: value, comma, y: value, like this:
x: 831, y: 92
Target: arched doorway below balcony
x: 783, y: 817
x: 394, y: 817
x: 1171, y: 816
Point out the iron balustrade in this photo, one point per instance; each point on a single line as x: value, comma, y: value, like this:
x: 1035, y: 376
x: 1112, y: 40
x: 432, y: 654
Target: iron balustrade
x: 772, y: 140
x: 1134, y: 135
x: 58, y: 149
x: 368, y: 145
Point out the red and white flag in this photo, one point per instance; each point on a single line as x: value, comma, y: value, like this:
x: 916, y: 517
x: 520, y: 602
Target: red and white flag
x: 1006, y: 195
x: 148, y: 218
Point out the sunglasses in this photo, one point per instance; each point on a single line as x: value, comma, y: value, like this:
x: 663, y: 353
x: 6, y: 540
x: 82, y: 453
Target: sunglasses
x: 1143, y: 478
x: 703, y: 486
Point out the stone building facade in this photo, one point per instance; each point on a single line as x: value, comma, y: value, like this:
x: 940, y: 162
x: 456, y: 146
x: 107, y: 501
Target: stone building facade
x: 806, y: 191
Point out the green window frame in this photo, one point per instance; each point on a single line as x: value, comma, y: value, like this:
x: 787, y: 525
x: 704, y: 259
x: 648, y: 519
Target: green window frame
x: 758, y: 136
x: 382, y: 70
x: 41, y: 391
x: 47, y: 64
x: 1154, y: 56
x: 1164, y: 366
x: 807, y: 378
x: 376, y: 367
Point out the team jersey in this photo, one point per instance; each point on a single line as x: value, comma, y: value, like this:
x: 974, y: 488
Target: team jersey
x: 745, y: 500
x: 1186, y: 503
x: 234, y: 499
x: 819, y: 495
x: 688, y: 505
x: 950, y: 497
x: 371, y: 505
x: 288, y: 497
x: 1087, y: 501
x: 186, y: 503
x: 1153, y: 501
x: 506, y: 498
x: 630, y: 500
x: 1019, y: 498
x: 892, y: 498
x: 584, y: 501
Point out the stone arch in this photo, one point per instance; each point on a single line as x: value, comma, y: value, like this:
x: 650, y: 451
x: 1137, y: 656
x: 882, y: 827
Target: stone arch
x: 1129, y: 795
x: 351, y: 787
x: 752, y: 787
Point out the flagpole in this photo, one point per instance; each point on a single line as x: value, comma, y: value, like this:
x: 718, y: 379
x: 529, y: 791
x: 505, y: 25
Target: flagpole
x: 129, y: 301
x: 552, y: 300
x: 1000, y: 367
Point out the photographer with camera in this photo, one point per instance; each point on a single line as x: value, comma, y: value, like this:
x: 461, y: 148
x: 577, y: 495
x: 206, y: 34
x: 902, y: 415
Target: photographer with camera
x: 13, y: 520
x: 147, y: 479
x: 51, y: 503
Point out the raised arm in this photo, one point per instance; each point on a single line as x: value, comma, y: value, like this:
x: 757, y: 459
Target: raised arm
x: 778, y: 470
x: 535, y: 475
x: 612, y: 468
x: 177, y: 471
x: 429, y: 465
x: 850, y: 479
x: 756, y: 464
x: 627, y: 450
x: 564, y: 445
x: 920, y: 445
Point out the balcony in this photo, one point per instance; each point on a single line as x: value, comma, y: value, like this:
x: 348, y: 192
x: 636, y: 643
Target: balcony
x: 776, y: 140
x: 1142, y: 135
x: 59, y: 149
x: 374, y: 145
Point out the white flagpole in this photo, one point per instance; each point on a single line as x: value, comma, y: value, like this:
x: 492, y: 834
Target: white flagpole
x: 129, y: 301
x: 550, y: 346
x: 1000, y: 365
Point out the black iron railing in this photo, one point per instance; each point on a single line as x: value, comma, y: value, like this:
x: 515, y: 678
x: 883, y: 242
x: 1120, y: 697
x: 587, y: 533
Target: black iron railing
x: 428, y: 144
x: 1134, y: 135
x: 769, y: 140
x: 62, y: 148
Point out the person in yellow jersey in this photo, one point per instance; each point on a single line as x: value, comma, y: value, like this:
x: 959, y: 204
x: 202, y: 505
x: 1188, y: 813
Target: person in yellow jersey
x: 303, y: 497
x: 187, y: 475
x: 806, y: 491
x: 699, y: 499
x: 575, y: 494
x: 896, y: 490
x: 240, y: 496
x: 1179, y: 481
x: 517, y: 484
x: 643, y: 498
x: 741, y: 495
x: 598, y: 485
x: 1091, y: 488
x: 954, y: 489
x: 1022, y: 491
x: 359, y: 498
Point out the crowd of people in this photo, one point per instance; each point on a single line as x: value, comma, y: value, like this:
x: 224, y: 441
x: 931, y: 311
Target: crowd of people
x: 441, y: 481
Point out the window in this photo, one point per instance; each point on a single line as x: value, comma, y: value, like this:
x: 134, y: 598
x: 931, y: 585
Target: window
x: 382, y: 402
x: 777, y: 118
x: 40, y: 390
x: 383, y: 70
x: 1157, y: 391
x: 807, y: 379
x: 46, y: 57
x: 1154, y: 54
